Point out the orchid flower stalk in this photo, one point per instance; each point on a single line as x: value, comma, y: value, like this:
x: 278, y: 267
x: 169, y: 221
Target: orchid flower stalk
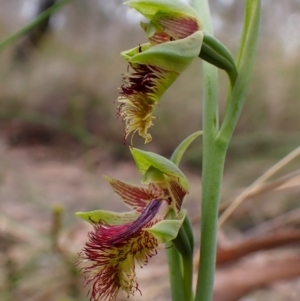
x: 177, y: 34
x: 216, y: 138
x: 118, y: 241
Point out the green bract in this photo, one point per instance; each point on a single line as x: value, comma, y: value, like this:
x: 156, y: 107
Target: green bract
x: 145, y: 161
x: 182, y: 147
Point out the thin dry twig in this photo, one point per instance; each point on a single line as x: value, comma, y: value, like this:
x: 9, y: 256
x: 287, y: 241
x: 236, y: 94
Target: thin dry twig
x: 256, y: 184
x: 266, y: 242
x: 277, y: 184
x: 276, y: 222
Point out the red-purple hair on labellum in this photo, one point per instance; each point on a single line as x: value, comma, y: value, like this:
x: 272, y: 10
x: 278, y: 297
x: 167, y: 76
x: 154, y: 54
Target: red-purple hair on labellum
x: 138, y: 97
x: 113, y: 249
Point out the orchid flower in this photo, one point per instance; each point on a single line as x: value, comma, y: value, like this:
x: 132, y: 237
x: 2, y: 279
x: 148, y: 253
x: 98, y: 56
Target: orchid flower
x: 118, y: 240
x: 175, y: 40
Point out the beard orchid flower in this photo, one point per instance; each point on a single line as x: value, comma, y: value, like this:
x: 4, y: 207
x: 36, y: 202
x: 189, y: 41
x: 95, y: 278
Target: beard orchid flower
x: 119, y: 240
x: 175, y: 40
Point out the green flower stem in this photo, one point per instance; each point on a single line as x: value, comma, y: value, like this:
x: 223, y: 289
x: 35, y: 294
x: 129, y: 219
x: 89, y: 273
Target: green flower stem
x: 188, y: 261
x: 213, y: 161
x: 175, y: 272
x: 211, y: 186
x: 180, y: 260
x: 211, y: 181
x: 181, y: 263
x: 185, y: 238
x: 41, y: 17
x: 188, y: 277
x: 215, y: 144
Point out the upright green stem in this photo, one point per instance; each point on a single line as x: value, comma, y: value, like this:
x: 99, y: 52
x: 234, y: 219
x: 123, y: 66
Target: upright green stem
x: 188, y: 277
x: 175, y: 272
x: 186, y: 235
x: 180, y: 260
x: 180, y: 250
x: 211, y: 187
x: 215, y: 143
x: 213, y: 160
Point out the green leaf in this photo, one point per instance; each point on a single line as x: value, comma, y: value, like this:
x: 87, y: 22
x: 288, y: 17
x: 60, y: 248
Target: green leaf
x: 167, y: 230
x: 109, y: 217
x: 245, y: 64
x: 182, y: 147
x: 144, y: 160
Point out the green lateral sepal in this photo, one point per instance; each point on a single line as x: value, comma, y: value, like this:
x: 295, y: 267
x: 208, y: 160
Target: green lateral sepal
x: 109, y: 217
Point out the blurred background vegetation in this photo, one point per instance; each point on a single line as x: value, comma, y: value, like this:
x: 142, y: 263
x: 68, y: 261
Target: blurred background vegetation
x: 60, y: 93
x: 68, y: 83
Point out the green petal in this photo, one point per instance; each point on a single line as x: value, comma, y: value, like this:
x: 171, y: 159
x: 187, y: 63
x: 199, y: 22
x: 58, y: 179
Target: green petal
x: 173, y: 56
x: 167, y: 230
x: 181, y: 148
x: 144, y: 160
x: 149, y: 8
x: 109, y: 217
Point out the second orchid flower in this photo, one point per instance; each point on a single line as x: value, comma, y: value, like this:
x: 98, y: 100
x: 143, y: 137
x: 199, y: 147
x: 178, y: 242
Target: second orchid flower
x: 119, y: 240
